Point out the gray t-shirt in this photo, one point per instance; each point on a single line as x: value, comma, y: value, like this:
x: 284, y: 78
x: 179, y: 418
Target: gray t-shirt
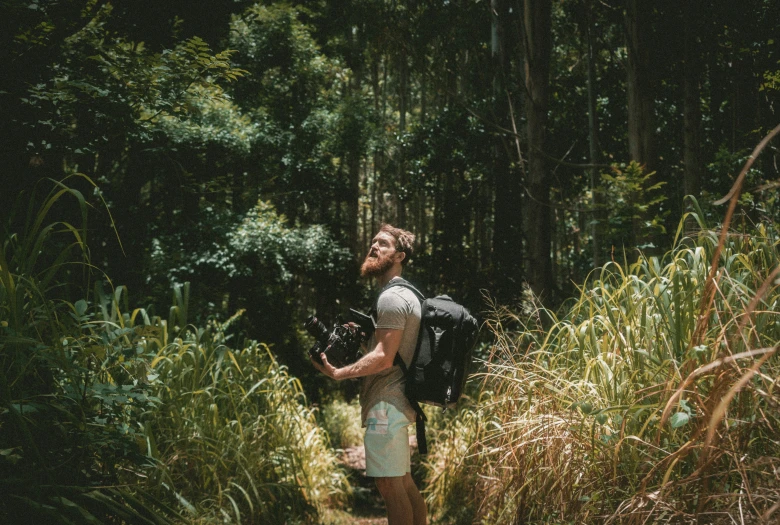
x: 399, y: 309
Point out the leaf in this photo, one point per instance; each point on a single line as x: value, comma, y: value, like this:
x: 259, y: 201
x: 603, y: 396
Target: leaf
x: 81, y: 307
x: 679, y: 419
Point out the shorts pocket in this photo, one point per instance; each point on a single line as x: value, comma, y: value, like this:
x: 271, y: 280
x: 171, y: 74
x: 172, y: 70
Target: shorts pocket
x: 377, y: 422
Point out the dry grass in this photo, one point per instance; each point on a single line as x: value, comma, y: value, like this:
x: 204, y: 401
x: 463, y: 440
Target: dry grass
x: 653, y: 399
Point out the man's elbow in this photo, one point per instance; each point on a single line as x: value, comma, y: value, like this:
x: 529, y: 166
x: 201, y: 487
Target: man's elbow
x: 386, y: 362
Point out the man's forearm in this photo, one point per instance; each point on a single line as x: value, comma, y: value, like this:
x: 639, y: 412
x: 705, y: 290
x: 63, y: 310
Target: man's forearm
x: 372, y: 363
x: 379, y: 359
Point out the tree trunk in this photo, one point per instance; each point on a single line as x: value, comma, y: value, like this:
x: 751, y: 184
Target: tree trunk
x: 640, y: 86
x: 597, y: 196
x: 537, y: 47
x: 691, y: 109
x: 400, y: 196
x: 507, y: 238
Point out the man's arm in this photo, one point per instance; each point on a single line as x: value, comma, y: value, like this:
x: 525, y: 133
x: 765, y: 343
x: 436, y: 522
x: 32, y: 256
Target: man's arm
x: 379, y: 359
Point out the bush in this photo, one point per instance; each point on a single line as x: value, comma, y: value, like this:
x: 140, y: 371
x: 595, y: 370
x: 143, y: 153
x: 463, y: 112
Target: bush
x: 69, y: 401
x: 109, y: 415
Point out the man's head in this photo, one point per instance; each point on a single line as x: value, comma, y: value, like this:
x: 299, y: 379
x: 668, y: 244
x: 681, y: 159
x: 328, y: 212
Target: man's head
x: 391, y: 248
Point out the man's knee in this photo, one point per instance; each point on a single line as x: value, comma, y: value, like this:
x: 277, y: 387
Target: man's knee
x: 389, y: 486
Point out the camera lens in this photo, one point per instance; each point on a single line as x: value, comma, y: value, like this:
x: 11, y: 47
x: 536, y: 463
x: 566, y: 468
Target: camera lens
x: 316, y: 329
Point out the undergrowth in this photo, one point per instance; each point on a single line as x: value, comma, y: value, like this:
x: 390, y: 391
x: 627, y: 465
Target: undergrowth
x: 649, y: 400
x: 111, y: 415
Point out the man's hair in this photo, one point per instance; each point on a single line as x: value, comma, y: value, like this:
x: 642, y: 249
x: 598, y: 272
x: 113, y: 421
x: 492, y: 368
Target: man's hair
x: 404, y: 240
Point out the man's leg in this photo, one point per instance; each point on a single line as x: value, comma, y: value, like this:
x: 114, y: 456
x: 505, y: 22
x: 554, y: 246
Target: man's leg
x: 399, y: 507
x: 387, y: 460
x: 419, y: 509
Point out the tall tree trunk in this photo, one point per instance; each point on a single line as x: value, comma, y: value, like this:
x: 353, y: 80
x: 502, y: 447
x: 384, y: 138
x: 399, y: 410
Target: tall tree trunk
x: 403, y: 101
x: 507, y: 238
x: 353, y: 201
x: 537, y: 44
x: 364, y: 224
x: 423, y: 97
x: 640, y: 86
x: 691, y: 107
x: 599, y: 213
x: 354, y: 153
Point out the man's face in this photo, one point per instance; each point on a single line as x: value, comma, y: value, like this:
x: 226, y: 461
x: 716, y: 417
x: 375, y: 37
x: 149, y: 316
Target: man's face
x: 381, y: 256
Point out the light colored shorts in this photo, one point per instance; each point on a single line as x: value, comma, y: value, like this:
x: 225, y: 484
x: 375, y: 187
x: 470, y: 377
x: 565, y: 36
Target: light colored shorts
x: 387, y: 442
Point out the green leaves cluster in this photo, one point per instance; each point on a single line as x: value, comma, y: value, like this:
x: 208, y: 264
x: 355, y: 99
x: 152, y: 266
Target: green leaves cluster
x: 105, y: 87
x: 74, y: 381
x: 261, y: 247
x: 263, y: 235
x: 634, y: 201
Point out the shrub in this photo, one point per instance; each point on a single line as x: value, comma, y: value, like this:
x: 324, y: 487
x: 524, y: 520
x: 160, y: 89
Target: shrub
x: 109, y: 415
x: 341, y: 421
x: 68, y: 404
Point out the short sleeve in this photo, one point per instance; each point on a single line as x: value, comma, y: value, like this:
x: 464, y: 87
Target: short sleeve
x: 392, y: 311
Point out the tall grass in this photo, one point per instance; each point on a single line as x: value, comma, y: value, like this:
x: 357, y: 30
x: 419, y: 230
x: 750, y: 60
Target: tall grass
x: 637, y: 405
x: 64, y: 438
x: 233, y: 435
x: 654, y: 397
x: 110, y: 415
x: 341, y: 420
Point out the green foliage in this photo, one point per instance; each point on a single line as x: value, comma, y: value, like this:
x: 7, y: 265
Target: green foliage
x: 232, y: 435
x: 72, y: 384
x: 636, y: 404
x: 341, y: 421
x: 261, y: 245
x: 757, y: 202
x: 633, y: 201
x: 105, y: 87
x: 291, y: 92
x: 265, y: 235
x: 771, y: 81
x: 109, y: 413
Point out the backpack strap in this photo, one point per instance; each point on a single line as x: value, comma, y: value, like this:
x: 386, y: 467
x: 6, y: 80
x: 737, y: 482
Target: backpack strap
x: 400, y: 281
x: 420, y: 417
x: 397, y: 281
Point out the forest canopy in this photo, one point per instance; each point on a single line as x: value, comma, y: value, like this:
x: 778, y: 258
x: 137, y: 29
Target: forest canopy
x: 521, y: 146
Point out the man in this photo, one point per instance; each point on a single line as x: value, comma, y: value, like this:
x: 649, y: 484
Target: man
x: 385, y: 411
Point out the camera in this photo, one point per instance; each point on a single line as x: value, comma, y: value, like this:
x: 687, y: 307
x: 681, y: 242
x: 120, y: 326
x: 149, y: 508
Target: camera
x: 343, y: 343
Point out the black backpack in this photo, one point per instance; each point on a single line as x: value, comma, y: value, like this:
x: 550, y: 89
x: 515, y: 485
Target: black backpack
x: 439, y: 368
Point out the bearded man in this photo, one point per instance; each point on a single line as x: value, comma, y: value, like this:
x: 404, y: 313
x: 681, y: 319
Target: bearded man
x: 385, y: 411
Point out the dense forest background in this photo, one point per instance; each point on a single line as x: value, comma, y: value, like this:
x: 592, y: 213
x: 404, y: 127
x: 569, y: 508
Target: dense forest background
x: 251, y: 149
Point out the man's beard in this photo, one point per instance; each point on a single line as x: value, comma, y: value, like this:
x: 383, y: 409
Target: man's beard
x: 375, y: 266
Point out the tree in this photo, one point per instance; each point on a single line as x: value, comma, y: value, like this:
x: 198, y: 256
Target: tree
x: 640, y: 87
x: 537, y: 46
x: 508, y: 208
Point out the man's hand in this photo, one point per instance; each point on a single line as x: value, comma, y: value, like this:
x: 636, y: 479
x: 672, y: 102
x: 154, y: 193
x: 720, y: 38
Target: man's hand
x: 326, y: 368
